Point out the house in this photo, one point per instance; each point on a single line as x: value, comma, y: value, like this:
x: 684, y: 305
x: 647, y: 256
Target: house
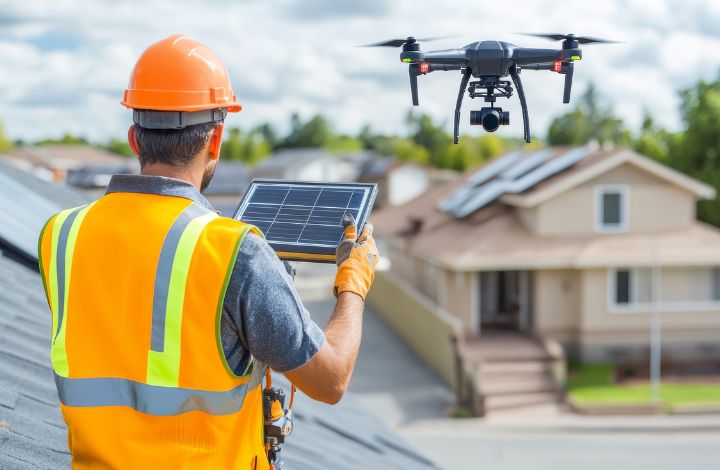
x: 81, y: 165
x: 546, y: 253
x: 398, y: 182
x: 306, y: 164
x: 32, y: 430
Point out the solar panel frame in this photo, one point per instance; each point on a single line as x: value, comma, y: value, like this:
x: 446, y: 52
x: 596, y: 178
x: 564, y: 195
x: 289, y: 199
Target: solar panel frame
x: 310, y: 229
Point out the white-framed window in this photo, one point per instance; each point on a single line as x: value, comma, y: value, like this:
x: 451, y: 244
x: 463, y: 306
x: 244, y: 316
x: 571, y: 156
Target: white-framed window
x: 680, y: 289
x: 611, y: 209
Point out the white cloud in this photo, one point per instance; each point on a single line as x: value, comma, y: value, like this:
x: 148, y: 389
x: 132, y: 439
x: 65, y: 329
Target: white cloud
x: 289, y: 55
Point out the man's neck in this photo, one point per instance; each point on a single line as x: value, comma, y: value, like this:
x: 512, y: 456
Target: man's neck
x: 187, y: 173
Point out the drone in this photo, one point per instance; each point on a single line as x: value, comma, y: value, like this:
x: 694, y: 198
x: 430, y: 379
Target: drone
x: 489, y: 62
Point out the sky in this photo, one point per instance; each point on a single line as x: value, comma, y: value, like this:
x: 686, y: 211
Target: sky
x: 64, y: 64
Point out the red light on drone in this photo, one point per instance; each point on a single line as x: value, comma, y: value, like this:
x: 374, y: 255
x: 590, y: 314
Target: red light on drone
x: 424, y: 67
x: 557, y: 66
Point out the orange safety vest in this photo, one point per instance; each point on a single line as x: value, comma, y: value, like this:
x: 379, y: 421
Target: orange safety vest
x: 136, y: 284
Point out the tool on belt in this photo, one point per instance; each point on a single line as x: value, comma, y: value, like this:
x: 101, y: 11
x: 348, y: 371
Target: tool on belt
x: 278, y: 420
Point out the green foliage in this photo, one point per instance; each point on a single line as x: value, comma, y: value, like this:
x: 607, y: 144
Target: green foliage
x: 343, y: 143
x: 66, y: 139
x: 424, y: 132
x: 5, y: 143
x: 315, y: 132
x: 247, y: 147
x: 119, y: 147
x: 591, y: 119
x: 697, y: 149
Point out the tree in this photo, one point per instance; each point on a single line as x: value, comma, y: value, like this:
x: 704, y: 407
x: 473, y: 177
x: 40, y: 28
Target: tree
x: 425, y: 133
x: 698, y: 148
x: 118, y: 146
x: 5, y: 143
x: 315, y: 132
x: 66, y: 139
x: 653, y: 141
x: 591, y: 119
x: 247, y: 147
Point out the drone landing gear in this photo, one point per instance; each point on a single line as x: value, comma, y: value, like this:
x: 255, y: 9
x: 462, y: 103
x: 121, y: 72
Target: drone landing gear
x: 490, y: 88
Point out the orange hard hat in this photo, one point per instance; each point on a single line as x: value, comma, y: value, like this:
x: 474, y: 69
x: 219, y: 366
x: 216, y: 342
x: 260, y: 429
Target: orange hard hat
x: 180, y: 74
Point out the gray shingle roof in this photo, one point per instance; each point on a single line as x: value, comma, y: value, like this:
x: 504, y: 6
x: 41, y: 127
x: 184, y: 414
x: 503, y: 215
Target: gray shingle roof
x: 26, y: 203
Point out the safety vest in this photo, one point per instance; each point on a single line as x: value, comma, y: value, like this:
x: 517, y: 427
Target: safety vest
x: 136, y: 284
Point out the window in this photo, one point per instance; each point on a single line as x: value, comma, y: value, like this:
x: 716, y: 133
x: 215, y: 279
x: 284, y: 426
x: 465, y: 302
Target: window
x: 623, y: 286
x: 611, y: 209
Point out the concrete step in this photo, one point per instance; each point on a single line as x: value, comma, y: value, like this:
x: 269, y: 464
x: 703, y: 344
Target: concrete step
x: 518, y: 400
x: 499, y: 369
x: 519, y: 385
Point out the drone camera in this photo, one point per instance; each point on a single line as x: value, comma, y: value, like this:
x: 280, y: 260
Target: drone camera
x: 490, y: 118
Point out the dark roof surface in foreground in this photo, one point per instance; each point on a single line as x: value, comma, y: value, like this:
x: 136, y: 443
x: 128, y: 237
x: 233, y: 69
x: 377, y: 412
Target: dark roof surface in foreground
x: 26, y: 203
x: 32, y: 432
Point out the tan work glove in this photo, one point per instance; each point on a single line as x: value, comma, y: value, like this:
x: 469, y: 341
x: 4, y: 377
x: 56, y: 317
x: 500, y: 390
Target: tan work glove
x: 356, y: 260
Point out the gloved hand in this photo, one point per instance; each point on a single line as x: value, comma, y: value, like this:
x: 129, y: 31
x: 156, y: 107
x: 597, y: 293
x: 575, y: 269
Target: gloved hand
x: 356, y: 260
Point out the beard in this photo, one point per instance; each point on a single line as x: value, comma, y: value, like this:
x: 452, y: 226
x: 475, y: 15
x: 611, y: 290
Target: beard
x: 208, y: 175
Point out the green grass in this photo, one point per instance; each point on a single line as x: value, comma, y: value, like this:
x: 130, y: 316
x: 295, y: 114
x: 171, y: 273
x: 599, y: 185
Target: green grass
x: 592, y: 384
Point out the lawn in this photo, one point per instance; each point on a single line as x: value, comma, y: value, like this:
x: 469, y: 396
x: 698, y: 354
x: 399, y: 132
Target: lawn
x: 592, y: 384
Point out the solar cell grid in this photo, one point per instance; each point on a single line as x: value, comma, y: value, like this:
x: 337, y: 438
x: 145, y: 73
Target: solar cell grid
x: 302, y: 215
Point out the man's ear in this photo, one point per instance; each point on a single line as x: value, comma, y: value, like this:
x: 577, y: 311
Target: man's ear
x: 216, y: 141
x: 132, y: 141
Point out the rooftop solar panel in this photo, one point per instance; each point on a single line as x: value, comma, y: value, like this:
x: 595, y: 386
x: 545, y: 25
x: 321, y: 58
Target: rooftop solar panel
x: 302, y: 221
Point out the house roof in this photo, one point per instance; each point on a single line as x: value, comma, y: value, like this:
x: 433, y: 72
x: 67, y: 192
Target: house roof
x: 290, y: 158
x: 492, y: 236
x: 528, y: 178
x: 230, y: 178
x: 26, y: 203
x: 66, y: 156
x: 32, y: 431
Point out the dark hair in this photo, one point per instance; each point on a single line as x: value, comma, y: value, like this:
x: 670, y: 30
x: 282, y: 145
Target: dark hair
x: 175, y: 147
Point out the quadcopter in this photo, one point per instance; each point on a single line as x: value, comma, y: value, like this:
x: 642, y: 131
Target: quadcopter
x: 489, y: 62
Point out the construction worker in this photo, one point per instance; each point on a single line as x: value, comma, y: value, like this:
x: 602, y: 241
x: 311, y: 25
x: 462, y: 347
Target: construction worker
x: 165, y: 315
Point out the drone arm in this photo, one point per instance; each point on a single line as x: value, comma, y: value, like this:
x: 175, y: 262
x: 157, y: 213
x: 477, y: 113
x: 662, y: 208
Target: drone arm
x: 447, y: 57
x: 543, y: 66
x: 523, y: 56
x: 461, y: 93
x: 523, y: 103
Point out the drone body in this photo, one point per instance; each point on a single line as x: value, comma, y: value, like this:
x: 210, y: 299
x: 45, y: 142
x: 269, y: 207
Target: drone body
x: 489, y: 62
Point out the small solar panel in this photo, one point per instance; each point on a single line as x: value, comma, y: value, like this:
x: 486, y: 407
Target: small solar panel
x: 302, y: 221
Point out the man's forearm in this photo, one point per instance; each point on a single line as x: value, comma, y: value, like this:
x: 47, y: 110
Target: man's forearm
x: 343, y: 334
x: 326, y: 376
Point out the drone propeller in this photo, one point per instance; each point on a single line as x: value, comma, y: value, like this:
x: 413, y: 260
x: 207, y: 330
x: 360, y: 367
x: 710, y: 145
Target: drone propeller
x: 570, y: 37
x: 409, y: 40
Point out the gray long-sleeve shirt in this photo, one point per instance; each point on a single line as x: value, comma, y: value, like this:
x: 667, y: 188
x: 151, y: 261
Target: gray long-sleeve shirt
x: 263, y: 315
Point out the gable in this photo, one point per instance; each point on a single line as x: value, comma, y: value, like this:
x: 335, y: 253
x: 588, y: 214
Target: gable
x: 560, y: 183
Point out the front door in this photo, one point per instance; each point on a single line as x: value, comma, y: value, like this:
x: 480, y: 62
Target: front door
x: 505, y: 300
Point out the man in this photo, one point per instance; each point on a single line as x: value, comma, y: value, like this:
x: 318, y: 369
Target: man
x: 165, y: 315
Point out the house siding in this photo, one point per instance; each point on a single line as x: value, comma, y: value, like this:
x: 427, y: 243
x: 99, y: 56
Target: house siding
x: 556, y: 295
x: 654, y: 205
x: 606, y: 335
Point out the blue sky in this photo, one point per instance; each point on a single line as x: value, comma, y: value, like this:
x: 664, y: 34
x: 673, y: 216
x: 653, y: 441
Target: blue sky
x: 64, y: 64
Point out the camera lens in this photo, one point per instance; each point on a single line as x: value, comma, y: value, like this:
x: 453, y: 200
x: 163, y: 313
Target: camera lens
x: 490, y: 118
x: 491, y: 121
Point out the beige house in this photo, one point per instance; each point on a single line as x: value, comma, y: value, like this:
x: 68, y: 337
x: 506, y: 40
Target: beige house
x: 562, y: 246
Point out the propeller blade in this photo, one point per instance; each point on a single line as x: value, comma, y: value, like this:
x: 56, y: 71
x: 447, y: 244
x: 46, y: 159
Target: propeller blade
x: 400, y: 42
x: 568, y: 81
x: 563, y: 37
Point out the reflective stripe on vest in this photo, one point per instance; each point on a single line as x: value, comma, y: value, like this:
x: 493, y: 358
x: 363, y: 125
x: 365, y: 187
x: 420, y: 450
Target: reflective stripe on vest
x: 149, y: 399
x: 64, y: 235
x: 164, y: 355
